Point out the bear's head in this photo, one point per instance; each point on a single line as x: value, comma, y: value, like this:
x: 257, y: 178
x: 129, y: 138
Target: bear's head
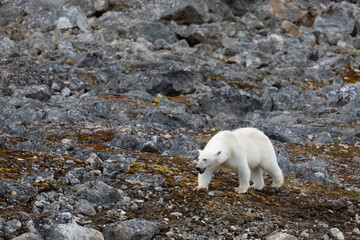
x: 211, y: 160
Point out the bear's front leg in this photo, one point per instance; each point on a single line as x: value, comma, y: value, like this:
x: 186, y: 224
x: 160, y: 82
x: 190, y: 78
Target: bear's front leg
x: 204, y: 180
x: 244, y: 179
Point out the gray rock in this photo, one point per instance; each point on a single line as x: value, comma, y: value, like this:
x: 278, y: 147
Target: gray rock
x: 336, y: 24
x: 288, y: 98
x: 146, y: 179
x: 11, y: 228
x: 324, y: 138
x: 282, y: 156
x: 281, y: 236
x: 16, y: 191
x: 252, y: 21
x: 127, y: 140
x: 97, y: 192
x: 38, y: 92
x: 229, y: 101
x: 69, y: 179
x: 63, y: 18
x: 168, y: 82
x: 73, y: 231
x: 115, y: 166
x: 296, y: 59
x: 28, y: 236
x: 92, y: 7
x: 152, y: 32
x: 90, y: 59
x: 32, y: 146
x: 14, y: 130
x: 64, y: 92
x: 7, y: 47
x: 337, y: 234
x: 184, y: 147
x: 356, y: 159
x: 84, y: 207
x: 255, y: 60
x: 192, y: 12
x: 100, y: 109
x: 200, y: 38
x: 131, y: 229
x: 315, y: 171
x: 72, y: 115
x: 282, y: 133
x: 166, y: 120
x: 138, y: 94
x: 153, y: 144
x: 241, y: 7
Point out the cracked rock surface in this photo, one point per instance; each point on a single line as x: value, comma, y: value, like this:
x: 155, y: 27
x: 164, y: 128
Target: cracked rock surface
x: 104, y: 104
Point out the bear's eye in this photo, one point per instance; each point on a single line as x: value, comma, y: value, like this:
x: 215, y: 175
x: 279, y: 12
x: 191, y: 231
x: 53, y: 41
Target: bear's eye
x: 204, y: 159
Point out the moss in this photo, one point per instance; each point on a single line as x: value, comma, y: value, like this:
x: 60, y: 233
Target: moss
x: 98, y: 147
x: 95, y: 27
x: 243, y: 85
x: 348, y: 74
x: 113, y: 97
x: 70, y: 62
x: 157, y: 101
x: 180, y: 99
x: 96, y: 137
x: 315, y: 85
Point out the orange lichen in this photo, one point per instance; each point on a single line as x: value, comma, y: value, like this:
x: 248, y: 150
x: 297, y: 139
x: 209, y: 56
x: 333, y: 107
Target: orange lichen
x: 88, y: 77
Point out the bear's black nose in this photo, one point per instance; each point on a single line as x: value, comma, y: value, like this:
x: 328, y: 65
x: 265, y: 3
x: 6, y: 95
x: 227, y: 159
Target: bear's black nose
x: 198, y: 169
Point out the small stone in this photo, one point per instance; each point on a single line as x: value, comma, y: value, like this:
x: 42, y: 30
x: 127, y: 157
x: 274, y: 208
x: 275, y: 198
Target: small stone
x: 357, y: 218
x: 337, y: 234
x: 291, y: 28
x: 84, y: 207
x: 28, y: 236
x: 324, y: 225
x: 282, y: 236
x: 65, y: 92
x: 305, y: 234
x: 176, y: 214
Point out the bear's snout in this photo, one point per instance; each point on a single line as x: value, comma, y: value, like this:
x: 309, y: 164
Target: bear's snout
x: 200, y: 170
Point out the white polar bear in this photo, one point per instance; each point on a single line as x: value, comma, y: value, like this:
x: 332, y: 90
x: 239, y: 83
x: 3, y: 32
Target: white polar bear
x: 247, y: 151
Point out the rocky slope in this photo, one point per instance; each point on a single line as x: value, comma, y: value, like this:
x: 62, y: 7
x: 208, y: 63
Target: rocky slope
x: 103, y: 105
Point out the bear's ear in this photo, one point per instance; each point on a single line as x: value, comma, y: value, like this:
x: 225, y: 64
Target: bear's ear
x: 199, y: 151
x: 218, y: 153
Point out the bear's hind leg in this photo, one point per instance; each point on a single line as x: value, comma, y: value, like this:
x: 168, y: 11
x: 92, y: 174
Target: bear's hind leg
x: 244, y: 179
x: 257, y: 178
x: 278, y: 177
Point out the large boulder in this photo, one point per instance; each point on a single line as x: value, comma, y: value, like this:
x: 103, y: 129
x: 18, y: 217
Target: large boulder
x: 152, y: 32
x: 196, y: 12
x: 229, y: 101
x: 131, y: 230
x: 63, y: 18
x: 16, y: 191
x: 336, y: 24
x: 72, y: 231
x: 97, y: 192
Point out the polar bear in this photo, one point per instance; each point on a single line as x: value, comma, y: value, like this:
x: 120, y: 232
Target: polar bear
x: 247, y: 151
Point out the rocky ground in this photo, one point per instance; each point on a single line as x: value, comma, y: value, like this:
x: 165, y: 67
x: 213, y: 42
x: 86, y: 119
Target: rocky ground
x: 103, y: 105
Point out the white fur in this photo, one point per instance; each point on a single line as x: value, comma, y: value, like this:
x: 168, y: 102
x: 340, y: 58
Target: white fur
x: 247, y: 151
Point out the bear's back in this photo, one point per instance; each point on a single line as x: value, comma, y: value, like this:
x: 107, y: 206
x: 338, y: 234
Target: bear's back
x: 251, y: 134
